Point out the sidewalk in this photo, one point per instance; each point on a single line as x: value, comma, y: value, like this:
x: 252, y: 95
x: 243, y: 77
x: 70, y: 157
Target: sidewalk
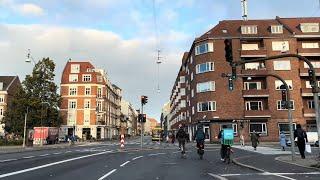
x: 267, y: 160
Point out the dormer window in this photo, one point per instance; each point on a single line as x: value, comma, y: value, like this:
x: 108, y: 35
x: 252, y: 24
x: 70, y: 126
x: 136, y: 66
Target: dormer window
x: 249, y: 29
x: 75, y: 68
x: 309, y: 27
x: 277, y: 29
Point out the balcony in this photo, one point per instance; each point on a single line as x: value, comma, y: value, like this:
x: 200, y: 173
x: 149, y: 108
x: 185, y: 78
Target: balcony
x: 255, y: 93
x: 261, y: 113
x: 309, y: 51
x: 306, y: 92
x: 254, y: 71
x: 309, y: 112
x: 304, y: 72
x: 253, y: 53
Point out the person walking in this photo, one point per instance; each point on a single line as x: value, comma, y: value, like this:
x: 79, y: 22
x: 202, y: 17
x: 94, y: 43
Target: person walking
x: 282, y: 139
x: 242, y: 141
x: 181, y: 136
x: 254, y: 139
x: 301, y: 135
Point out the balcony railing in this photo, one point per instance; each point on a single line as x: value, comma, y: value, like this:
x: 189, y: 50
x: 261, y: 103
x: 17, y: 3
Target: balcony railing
x: 309, y: 112
x: 309, y: 51
x: 253, y: 53
x: 257, y: 113
x: 255, y: 93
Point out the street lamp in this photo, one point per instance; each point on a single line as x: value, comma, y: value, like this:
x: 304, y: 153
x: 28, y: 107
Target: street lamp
x: 25, y: 128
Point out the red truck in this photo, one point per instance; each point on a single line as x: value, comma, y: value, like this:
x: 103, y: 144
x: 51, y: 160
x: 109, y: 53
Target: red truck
x: 45, y: 135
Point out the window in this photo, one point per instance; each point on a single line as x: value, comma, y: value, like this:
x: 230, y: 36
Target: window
x: 99, y: 78
x: 277, y: 29
x: 249, y: 29
x: 281, y: 65
x: 308, y: 85
x: 310, y: 104
x: 88, y: 91
x: 260, y: 128
x: 183, y: 103
x: 86, y: 117
x: 204, y: 48
x: 233, y: 126
x: 73, y: 77
x: 87, y: 104
x: 249, y: 47
x: 86, y: 78
x: 206, y: 86
x: 73, y: 91
x: 205, y: 67
x: 254, y: 66
x: 89, y: 70
x: 1, y: 98
x: 280, y: 46
x: 316, y: 64
x: 285, y: 127
x: 278, y: 84
x: 254, y: 105
x: 192, y: 93
x: 72, y: 104
x: 309, y: 27
x: 1, y: 112
x: 207, y: 106
x: 191, y: 59
x: 281, y: 105
x: 99, y: 95
x: 192, y: 109
x: 182, y: 79
x: 191, y: 76
x: 252, y: 85
x: 310, y: 45
x: 183, y: 91
x: 99, y: 106
x: 75, y: 68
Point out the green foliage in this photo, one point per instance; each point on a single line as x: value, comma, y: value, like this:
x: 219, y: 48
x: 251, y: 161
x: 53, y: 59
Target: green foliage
x: 4, y: 142
x: 38, y: 95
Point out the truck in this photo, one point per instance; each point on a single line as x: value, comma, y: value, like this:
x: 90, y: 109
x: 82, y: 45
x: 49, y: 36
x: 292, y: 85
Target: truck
x: 45, y: 135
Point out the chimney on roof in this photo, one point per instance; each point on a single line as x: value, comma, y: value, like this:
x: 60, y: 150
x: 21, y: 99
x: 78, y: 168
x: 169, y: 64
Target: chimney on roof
x: 69, y: 60
x: 244, y: 10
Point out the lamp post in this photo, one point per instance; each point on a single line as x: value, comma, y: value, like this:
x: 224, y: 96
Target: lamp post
x: 25, y: 128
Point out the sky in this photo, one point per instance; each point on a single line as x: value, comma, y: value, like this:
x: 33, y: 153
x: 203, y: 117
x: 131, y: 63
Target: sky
x: 122, y: 36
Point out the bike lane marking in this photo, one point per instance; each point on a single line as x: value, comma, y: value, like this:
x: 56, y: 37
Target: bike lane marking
x: 137, y: 158
x: 124, y: 163
x: 108, y: 174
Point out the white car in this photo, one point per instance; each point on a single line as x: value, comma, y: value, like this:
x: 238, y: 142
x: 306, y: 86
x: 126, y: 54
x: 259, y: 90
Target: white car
x: 312, y: 139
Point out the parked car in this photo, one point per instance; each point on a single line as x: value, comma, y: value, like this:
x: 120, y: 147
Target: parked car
x: 316, y: 144
x: 312, y: 139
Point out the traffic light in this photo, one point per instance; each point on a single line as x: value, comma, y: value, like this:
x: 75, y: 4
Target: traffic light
x: 234, y: 72
x: 284, y: 95
x: 230, y: 83
x: 140, y: 118
x: 311, y: 73
x: 228, y: 50
x: 144, y: 100
x: 144, y: 118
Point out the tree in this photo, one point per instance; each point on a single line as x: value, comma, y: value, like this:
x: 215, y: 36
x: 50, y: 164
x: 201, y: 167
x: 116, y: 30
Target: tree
x: 39, y: 95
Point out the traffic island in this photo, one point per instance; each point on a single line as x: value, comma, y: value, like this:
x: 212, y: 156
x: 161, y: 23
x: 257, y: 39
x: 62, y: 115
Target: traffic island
x: 311, y: 162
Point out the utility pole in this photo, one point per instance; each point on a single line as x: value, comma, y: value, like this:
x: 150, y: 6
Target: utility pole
x: 25, y: 128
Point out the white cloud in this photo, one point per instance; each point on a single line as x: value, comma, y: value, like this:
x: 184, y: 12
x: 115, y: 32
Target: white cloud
x: 30, y: 9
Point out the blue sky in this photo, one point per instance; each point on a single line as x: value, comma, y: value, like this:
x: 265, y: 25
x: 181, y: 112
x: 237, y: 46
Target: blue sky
x: 119, y: 36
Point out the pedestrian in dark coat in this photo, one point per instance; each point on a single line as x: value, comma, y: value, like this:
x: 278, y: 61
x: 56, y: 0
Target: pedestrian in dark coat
x: 301, y: 135
x: 282, y: 139
x: 255, y: 140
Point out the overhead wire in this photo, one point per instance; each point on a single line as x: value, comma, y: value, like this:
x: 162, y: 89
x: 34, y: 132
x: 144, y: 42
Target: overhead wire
x: 157, y: 44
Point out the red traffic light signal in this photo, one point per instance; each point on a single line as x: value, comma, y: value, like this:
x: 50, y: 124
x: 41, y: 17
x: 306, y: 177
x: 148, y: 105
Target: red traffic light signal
x: 228, y: 50
x: 144, y: 100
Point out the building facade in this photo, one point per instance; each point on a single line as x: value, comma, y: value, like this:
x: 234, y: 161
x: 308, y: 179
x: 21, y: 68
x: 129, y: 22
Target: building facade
x: 128, y: 118
x: 8, y: 87
x: 255, y: 103
x: 90, y: 105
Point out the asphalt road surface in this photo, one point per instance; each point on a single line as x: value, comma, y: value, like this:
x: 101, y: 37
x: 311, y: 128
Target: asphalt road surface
x: 105, y: 160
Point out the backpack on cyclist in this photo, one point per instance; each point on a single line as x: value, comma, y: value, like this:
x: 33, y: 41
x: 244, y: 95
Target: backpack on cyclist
x: 200, y: 135
x: 227, y: 137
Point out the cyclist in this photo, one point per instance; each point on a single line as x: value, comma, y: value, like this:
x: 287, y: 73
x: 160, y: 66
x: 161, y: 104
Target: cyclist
x: 199, y: 136
x: 181, y: 136
x: 226, y: 138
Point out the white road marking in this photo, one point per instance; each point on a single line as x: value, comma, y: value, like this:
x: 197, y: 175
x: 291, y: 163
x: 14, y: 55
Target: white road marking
x: 57, y: 153
x: 7, y: 160
x: 68, y: 152
x: 124, y: 164
x: 156, y: 154
x: 217, y: 176
x: 108, y: 174
x: 271, y: 174
x: 28, y: 157
x: 43, y: 155
x: 50, y: 164
x: 137, y: 158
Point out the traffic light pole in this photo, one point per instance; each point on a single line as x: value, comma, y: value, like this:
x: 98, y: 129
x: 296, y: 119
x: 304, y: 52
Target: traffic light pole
x: 142, y: 127
x: 314, y: 84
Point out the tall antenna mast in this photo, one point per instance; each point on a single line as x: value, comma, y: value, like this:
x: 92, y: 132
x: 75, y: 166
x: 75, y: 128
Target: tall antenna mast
x: 244, y: 10
x: 158, y: 64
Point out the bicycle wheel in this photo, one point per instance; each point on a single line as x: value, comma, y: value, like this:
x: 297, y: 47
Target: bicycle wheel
x: 227, y: 159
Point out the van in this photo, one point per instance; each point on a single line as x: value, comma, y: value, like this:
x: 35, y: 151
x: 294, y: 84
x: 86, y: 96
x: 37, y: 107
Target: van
x: 312, y: 137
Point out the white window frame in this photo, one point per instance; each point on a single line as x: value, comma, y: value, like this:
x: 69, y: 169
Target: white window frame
x: 246, y: 85
x: 308, y: 86
x: 192, y: 93
x: 276, y: 29
x: 279, y: 105
x: 99, y: 79
x: 310, y: 104
x: 283, y: 65
x: 85, y: 91
x: 263, y: 127
x: 192, y: 110
x: 210, y: 84
x: 249, y: 29
x: 208, y: 48
x: 1, y: 98
x: 191, y: 76
x: 73, y: 78
x: 309, y: 27
x: 286, y: 132
x: 99, y: 105
x: 316, y: 64
x: 211, y: 104
x: 234, y: 127
x: 310, y: 45
x: 73, y: 91
x: 1, y: 111
x: 72, y: 104
x: 86, y: 78
x: 87, y: 104
x: 248, y: 105
x: 278, y: 83
x: 248, y: 47
x: 209, y: 67
x: 75, y: 68
x: 280, y: 46
x: 191, y: 59
x: 254, y: 66
x: 99, y: 92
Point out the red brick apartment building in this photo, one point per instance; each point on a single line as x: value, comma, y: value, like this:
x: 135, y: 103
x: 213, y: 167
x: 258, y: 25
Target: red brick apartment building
x: 255, y: 102
x: 90, y: 102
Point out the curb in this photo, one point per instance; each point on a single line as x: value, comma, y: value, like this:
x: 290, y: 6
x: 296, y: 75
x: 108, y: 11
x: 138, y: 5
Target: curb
x: 236, y: 162
x: 313, y: 168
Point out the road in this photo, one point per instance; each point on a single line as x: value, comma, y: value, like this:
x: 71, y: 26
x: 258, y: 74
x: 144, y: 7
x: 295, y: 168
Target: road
x: 105, y: 161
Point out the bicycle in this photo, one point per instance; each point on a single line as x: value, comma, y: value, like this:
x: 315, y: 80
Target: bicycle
x: 227, y: 158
